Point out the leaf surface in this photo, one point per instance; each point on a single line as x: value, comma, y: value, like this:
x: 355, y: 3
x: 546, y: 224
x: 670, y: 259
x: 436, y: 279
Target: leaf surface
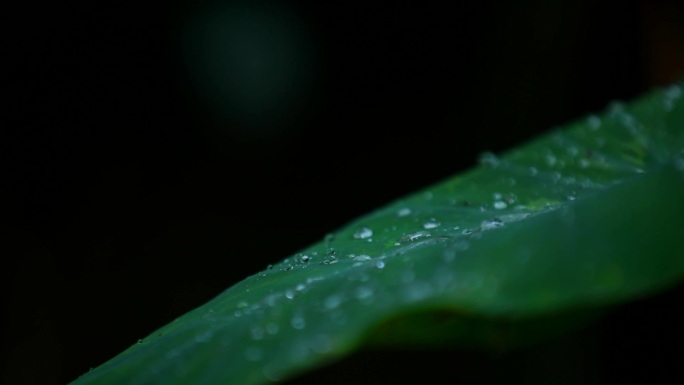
x: 584, y: 217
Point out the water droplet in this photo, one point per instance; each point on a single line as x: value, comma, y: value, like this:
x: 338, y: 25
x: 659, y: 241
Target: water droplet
x: 140, y: 341
x: 500, y: 205
x: 300, y: 287
x: 298, y: 322
x: 362, y: 258
x: 489, y: 159
x: 594, y: 122
x: 431, y: 224
x: 332, y: 302
x: 492, y: 223
x: 414, y: 236
x: 363, y: 233
x: 380, y: 265
x: 404, y: 212
x: 305, y: 258
x: 254, y: 353
x: 289, y: 294
x: 467, y: 231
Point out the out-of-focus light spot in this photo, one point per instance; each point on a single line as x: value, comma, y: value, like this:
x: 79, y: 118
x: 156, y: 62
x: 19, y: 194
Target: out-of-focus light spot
x: 252, y: 66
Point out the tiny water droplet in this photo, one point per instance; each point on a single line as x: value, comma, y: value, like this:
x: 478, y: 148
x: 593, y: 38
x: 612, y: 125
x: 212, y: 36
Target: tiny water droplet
x: 300, y: 287
x: 431, y: 224
x: 298, y: 322
x: 492, y: 223
x: 140, y: 341
x: 363, y: 233
x: 500, y: 205
x: 414, y: 236
x: 489, y: 159
x: 404, y: 212
x: 305, y: 258
x: 362, y: 258
x: 380, y: 265
x: 289, y: 294
x: 467, y: 231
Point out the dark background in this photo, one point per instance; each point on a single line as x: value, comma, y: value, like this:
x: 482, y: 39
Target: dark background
x: 154, y: 153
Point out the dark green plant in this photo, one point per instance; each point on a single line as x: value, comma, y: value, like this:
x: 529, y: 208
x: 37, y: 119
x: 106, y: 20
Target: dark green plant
x: 521, y: 248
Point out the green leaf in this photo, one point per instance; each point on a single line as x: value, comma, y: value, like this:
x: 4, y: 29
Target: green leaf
x: 585, y: 217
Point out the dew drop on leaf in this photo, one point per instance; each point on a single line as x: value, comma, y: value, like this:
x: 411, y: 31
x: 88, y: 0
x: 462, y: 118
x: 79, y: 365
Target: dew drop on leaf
x: 431, y: 224
x: 404, y: 212
x: 363, y: 233
x: 492, y: 223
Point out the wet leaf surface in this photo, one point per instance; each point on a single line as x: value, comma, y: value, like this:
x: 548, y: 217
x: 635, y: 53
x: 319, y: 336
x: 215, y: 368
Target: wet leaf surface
x: 584, y: 217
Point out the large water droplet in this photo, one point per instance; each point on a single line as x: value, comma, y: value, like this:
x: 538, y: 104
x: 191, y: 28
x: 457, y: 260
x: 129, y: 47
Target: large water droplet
x: 431, y: 224
x: 363, y: 233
